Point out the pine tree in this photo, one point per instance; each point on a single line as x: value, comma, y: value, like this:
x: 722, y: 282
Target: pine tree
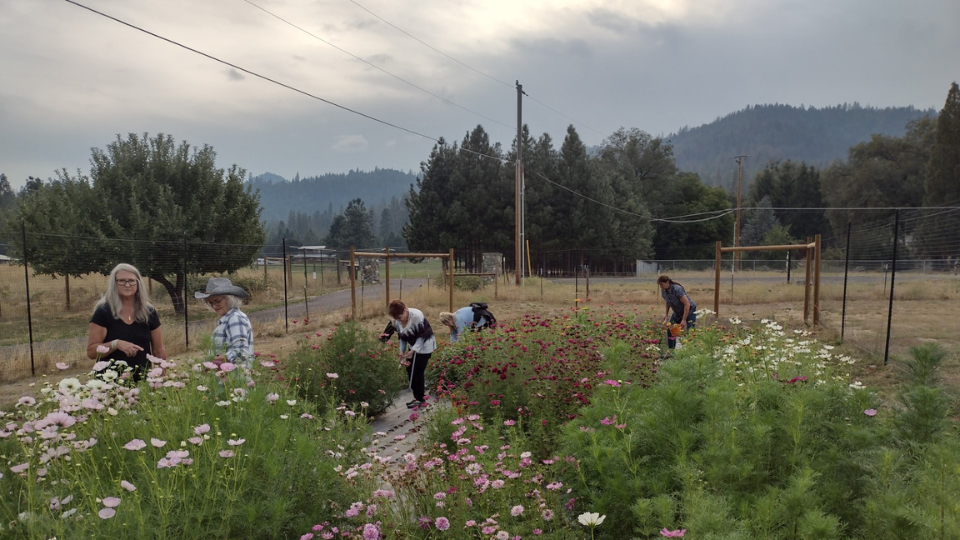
x: 939, y: 230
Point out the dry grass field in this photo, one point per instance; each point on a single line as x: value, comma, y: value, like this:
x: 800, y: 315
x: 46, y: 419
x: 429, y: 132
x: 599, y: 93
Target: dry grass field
x: 926, y: 308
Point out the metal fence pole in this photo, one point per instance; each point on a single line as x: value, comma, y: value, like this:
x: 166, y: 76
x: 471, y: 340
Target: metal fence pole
x: 26, y: 281
x: 846, y: 274
x: 286, y: 314
x: 186, y: 317
x: 893, y: 277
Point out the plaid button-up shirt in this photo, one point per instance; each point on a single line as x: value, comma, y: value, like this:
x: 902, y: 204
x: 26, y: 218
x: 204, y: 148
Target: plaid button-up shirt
x: 234, y: 336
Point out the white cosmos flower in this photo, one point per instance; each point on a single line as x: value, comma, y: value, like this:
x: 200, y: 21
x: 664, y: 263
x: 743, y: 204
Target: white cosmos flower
x: 591, y: 519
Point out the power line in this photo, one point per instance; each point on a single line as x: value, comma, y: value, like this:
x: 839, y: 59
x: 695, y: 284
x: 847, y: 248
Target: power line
x: 401, y: 79
x: 431, y: 47
x: 253, y: 73
x: 471, y: 68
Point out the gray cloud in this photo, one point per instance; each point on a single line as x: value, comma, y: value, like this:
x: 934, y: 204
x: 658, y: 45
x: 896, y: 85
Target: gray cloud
x: 657, y: 66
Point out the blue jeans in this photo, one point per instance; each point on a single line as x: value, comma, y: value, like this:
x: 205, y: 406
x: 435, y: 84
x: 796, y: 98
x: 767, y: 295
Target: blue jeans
x: 675, y: 319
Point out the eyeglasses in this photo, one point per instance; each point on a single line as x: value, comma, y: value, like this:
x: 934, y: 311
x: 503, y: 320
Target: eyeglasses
x: 216, y: 301
x: 127, y: 282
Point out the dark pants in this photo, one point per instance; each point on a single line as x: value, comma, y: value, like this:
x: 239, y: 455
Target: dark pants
x: 675, y: 319
x: 416, y: 369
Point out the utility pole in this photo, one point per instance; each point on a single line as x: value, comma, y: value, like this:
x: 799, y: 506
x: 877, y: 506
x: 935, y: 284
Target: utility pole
x: 736, y: 235
x: 518, y: 203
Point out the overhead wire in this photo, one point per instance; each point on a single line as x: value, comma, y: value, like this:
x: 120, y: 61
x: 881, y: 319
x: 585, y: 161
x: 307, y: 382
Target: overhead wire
x: 464, y: 64
x: 401, y: 79
x: 250, y: 72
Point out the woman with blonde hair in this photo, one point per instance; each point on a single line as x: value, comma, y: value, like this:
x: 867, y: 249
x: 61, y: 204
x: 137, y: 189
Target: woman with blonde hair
x: 126, y: 323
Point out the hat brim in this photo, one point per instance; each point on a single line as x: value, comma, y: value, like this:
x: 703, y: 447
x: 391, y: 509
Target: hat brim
x: 231, y: 290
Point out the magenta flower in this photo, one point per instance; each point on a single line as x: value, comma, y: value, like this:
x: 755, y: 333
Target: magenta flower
x: 608, y: 422
x: 672, y: 534
x: 371, y: 532
x: 307, y: 536
x: 612, y: 383
x: 870, y: 412
x: 442, y: 523
x: 135, y: 444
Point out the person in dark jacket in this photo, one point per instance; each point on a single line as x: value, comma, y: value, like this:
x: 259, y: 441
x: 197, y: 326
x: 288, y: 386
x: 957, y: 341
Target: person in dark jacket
x: 683, y: 307
x: 416, y: 345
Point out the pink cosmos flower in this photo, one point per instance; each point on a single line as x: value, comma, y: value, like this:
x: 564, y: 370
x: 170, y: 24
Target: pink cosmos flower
x: 226, y: 453
x: 111, y: 502
x: 509, y: 422
x: 442, y: 523
x: 127, y: 485
x: 154, y: 360
x: 272, y: 397
x: 157, y: 443
x: 237, y: 442
x: 672, y: 534
x: 371, y: 532
x: 101, y: 365
x: 62, y: 366
x: 106, y: 513
x: 612, y: 383
x: 333, y: 376
x: 103, y: 349
x: 201, y: 429
x: 870, y: 412
x: 516, y: 510
x: 20, y: 468
x: 267, y: 364
x: 227, y: 367
x: 26, y: 401
x: 211, y: 365
x: 195, y: 440
x: 307, y: 536
x: 135, y: 444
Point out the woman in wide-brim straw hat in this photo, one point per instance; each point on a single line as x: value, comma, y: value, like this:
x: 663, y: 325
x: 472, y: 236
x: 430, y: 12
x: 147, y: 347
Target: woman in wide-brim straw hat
x: 233, y: 336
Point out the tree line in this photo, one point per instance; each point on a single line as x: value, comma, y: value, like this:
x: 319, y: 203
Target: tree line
x: 611, y: 206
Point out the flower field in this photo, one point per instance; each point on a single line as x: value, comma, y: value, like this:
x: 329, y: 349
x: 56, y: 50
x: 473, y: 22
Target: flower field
x: 573, y: 426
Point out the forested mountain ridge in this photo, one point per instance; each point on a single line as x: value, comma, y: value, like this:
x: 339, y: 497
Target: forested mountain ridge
x: 279, y: 197
x: 768, y: 133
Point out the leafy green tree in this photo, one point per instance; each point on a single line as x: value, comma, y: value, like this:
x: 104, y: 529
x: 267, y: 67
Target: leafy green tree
x: 939, y: 230
x: 883, y: 172
x: 354, y: 228
x: 144, y: 199
x: 693, y: 237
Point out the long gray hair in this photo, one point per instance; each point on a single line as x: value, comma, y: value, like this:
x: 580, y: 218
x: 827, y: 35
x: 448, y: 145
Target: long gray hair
x: 111, y: 298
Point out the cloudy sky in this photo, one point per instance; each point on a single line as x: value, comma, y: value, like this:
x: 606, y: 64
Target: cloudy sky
x: 71, y: 79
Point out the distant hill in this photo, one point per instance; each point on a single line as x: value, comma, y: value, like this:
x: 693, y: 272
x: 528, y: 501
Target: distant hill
x: 768, y: 133
x: 317, y: 193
